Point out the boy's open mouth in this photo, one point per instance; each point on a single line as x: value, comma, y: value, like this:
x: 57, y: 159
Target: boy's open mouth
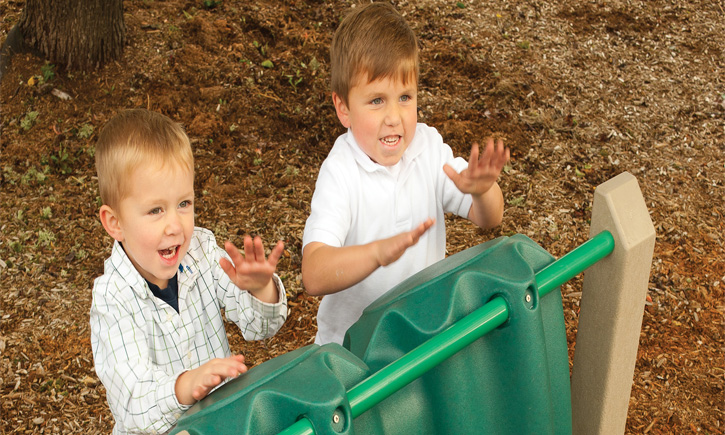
x: 390, y: 140
x: 169, y: 253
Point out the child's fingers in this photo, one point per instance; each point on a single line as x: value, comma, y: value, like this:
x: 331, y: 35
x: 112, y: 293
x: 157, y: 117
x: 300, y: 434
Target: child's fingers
x: 494, y: 157
x: 499, y: 159
x: 501, y: 151
x: 258, y: 249
x: 212, y: 381
x: 227, y: 267
x: 276, y: 253
x: 421, y: 229
x: 489, y: 152
x: 248, y: 247
x: 233, y: 252
x: 221, y: 369
x: 231, y: 371
x: 207, y: 383
x: 506, y: 155
x: 452, y: 174
x: 473, y: 159
x: 199, y: 392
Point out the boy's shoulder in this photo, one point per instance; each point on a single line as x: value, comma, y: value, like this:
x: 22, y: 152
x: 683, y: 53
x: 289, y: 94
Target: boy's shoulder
x: 341, y: 161
x: 427, y: 135
x: 202, y: 237
x: 342, y: 148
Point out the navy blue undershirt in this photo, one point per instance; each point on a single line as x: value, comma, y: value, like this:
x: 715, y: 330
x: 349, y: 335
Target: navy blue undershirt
x: 170, y: 294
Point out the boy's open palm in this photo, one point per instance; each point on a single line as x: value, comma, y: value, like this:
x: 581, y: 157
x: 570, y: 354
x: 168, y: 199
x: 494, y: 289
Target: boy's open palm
x: 251, y: 271
x: 482, y: 172
x: 390, y: 249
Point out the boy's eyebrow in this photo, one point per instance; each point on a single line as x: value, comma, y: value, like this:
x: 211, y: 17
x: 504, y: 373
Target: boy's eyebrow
x: 153, y: 201
x: 409, y: 90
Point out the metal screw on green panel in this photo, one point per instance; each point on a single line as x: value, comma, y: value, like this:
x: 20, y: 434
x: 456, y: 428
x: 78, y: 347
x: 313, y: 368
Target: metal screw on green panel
x: 528, y: 298
x: 335, y: 418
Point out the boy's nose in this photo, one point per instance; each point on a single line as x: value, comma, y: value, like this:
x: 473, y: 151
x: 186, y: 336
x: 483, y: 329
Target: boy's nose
x: 392, y: 117
x: 173, y: 223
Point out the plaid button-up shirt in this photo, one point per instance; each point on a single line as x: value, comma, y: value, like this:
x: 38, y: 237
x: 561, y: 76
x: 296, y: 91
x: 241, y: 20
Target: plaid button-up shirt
x: 141, y: 344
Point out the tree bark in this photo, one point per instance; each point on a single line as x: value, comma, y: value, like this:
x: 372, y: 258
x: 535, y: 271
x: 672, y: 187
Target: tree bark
x: 78, y: 34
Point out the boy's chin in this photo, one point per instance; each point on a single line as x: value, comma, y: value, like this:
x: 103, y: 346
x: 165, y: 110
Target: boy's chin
x: 389, y: 161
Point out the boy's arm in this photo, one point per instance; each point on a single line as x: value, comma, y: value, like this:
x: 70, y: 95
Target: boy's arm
x: 252, y: 296
x: 487, y: 209
x: 140, y: 394
x: 479, y: 180
x: 328, y: 269
x: 137, y: 389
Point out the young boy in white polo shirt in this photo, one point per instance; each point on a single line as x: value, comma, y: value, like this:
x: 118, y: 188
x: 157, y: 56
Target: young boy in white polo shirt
x: 377, y: 213
x: 157, y: 330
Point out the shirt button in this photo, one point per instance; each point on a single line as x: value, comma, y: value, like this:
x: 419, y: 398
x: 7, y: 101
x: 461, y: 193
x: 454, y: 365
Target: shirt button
x: 169, y: 317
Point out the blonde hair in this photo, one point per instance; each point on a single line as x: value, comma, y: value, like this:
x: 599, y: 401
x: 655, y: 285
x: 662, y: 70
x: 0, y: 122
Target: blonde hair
x: 374, y: 41
x: 132, y: 138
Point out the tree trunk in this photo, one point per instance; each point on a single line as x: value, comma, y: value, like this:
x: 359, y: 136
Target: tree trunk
x: 78, y: 34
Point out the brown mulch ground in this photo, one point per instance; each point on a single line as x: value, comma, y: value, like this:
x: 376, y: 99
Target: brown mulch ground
x: 581, y: 91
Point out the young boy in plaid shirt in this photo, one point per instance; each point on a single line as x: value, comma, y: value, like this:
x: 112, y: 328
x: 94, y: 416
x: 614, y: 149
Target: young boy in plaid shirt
x: 157, y: 331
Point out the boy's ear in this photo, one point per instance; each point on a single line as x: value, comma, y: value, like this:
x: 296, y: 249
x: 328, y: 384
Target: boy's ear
x: 110, y: 222
x: 343, y: 114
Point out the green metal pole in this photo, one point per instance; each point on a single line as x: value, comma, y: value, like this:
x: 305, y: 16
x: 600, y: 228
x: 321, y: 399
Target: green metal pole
x: 576, y: 261
x: 415, y: 363
x: 301, y: 427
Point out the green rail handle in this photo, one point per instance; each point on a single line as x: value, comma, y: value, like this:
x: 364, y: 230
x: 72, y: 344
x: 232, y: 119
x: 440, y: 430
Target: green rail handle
x: 391, y: 378
x: 576, y: 261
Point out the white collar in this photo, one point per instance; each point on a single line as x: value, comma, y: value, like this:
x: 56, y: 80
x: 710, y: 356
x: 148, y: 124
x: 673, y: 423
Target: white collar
x: 414, y: 149
x: 121, y: 262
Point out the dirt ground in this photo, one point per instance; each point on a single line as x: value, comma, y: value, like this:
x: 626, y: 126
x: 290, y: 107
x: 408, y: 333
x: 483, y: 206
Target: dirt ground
x: 580, y: 91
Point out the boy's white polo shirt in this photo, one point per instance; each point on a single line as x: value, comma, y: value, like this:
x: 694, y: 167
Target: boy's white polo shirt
x: 357, y: 201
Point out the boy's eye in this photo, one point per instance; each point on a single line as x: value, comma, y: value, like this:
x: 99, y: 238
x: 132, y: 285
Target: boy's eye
x: 156, y: 210
x: 185, y: 203
x: 405, y: 98
x: 377, y: 101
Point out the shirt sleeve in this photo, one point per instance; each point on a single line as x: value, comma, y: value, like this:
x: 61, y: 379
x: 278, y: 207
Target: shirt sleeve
x: 141, y: 395
x: 256, y: 319
x: 330, y: 210
x: 452, y: 199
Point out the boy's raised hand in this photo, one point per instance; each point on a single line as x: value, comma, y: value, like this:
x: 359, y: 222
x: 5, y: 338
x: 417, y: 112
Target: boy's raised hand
x: 194, y: 385
x: 327, y: 269
x: 251, y: 271
x: 482, y: 172
x: 390, y: 249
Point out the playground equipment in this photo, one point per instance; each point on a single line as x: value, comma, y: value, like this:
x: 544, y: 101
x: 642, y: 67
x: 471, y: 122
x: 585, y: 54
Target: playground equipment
x: 416, y: 363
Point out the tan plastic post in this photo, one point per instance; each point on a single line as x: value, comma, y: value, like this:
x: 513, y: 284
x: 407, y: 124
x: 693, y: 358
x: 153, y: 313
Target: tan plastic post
x: 612, y: 306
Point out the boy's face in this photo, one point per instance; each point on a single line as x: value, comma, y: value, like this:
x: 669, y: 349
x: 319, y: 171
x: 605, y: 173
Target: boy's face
x: 155, y: 221
x: 382, y: 116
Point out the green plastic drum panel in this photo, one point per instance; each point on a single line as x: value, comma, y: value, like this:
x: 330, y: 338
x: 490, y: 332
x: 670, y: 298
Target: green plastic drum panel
x: 514, y: 380
x: 310, y: 381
